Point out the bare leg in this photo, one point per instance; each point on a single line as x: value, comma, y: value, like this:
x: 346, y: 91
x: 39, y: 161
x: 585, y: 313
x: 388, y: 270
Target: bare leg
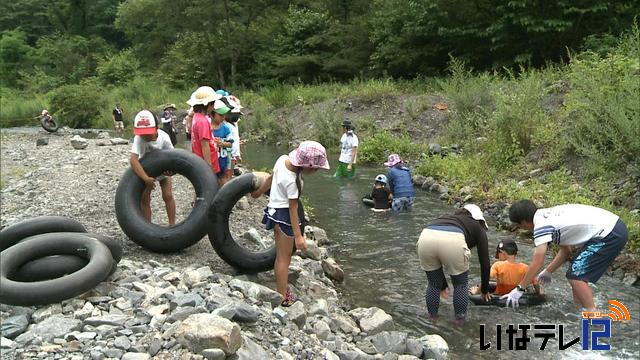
x: 145, y: 203
x: 284, y: 248
x: 169, y: 201
x: 583, y: 294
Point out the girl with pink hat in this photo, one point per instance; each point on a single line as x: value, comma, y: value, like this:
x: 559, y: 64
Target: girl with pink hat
x: 400, y: 183
x: 281, y: 213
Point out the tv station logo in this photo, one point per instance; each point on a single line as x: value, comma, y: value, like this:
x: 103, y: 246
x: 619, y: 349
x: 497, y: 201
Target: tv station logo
x: 595, y: 326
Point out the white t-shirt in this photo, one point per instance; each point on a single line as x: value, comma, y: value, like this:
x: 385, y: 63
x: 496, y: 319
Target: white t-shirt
x: 571, y: 224
x: 283, y: 185
x: 141, y: 147
x: 347, y: 143
x: 235, y: 146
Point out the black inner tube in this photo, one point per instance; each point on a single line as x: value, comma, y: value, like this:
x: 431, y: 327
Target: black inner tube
x: 155, y: 237
x: 234, y: 254
x: 54, y: 290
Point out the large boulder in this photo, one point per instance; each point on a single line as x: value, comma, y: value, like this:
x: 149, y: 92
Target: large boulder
x: 79, y: 143
x: 373, y: 320
x: 434, y: 346
x: 207, y: 331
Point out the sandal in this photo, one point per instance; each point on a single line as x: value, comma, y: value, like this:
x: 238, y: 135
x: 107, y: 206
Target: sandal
x: 289, y: 299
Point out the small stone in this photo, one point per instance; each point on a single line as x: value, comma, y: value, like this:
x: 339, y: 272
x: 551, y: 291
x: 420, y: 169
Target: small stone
x: 42, y: 142
x: 213, y: 354
x: 135, y: 356
x: 122, y: 342
x: 14, y: 326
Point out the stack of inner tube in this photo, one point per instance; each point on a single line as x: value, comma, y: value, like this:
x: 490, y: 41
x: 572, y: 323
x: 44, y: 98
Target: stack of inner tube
x: 48, y: 259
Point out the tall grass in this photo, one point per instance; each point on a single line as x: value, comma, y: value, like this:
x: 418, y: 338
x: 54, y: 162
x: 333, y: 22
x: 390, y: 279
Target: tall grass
x: 20, y: 109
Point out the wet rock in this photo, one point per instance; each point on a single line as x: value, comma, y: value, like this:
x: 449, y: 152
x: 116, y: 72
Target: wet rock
x: 42, y: 141
x: 428, y: 182
x: 14, y: 326
x: 372, y: 320
x: 418, y: 180
x: 318, y: 235
x: 79, y: 143
x: 434, y: 346
x: 414, y: 348
x: 55, y: 326
x: 389, y: 341
x: 332, y: 270
x: 312, y: 251
x: 205, y: 331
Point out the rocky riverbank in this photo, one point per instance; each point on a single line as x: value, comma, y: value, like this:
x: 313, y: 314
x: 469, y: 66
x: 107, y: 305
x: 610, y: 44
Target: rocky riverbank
x: 189, y: 305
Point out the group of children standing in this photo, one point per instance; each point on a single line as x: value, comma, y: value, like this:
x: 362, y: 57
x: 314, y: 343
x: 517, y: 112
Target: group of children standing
x: 212, y: 137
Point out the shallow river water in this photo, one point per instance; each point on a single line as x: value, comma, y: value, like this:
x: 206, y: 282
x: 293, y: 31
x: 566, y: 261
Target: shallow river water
x: 377, y: 253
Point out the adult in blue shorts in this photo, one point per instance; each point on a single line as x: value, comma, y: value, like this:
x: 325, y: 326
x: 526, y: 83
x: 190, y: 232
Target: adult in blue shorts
x: 600, y: 233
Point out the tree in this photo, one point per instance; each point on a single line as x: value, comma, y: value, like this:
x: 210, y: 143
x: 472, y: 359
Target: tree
x: 13, y: 55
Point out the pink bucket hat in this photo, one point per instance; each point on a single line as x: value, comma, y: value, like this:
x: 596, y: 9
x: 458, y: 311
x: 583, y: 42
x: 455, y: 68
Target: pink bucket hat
x: 393, y: 160
x: 309, y: 154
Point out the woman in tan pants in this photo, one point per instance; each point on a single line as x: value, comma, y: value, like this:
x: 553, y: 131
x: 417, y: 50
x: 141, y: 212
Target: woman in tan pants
x: 444, y: 246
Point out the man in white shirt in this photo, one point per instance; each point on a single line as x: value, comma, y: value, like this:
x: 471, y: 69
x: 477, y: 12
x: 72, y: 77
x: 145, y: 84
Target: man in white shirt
x: 348, y: 151
x: 147, y: 139
x: 600, y: 233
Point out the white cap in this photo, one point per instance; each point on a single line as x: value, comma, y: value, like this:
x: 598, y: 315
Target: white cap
x: 144, y: 123
x: 476, y: 213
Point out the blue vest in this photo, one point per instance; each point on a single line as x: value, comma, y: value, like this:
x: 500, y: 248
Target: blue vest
x: 400, y: 182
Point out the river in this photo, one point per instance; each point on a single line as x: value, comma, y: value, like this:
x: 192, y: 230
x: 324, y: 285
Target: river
x: 377, y: 253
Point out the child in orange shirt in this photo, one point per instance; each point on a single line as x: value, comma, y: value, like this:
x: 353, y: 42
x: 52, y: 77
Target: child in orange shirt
x: 507, y: 271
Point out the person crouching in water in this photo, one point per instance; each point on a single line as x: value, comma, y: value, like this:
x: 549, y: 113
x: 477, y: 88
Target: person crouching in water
x: 507, y: 271
x: 380, y: 195
x: 148, y: 139
x: 400, y: 183
x: 281, y: 213
x: 445, y: 243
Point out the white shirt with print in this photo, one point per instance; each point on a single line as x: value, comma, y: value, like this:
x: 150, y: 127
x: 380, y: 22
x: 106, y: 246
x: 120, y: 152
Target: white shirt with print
x: 141, y: 147
x: 347, y: 143
x: 283, y: 185
x: 235, y: 146
x: 571, y: 224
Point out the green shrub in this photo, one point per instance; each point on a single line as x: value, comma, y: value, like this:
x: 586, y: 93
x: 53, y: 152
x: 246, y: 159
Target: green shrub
x: 118, y: 69
x: 79, y: 106
x: 327, y: 125
x: 602, y: 107
x: 376, y: 148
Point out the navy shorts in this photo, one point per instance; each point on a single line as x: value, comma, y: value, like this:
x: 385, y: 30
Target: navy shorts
x: 597, y: 254
x: 278, y: 216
